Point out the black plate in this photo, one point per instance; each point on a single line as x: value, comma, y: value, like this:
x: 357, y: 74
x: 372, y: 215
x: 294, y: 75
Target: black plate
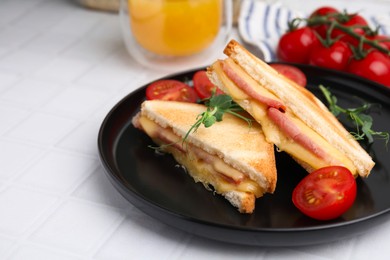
x: 154, y: 184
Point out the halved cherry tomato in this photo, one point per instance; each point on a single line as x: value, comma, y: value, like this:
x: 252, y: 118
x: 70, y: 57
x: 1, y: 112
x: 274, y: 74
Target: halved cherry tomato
x: 325, y: 193
x: 203, y: 86
x: 169, y: 89
x: 291, y: 72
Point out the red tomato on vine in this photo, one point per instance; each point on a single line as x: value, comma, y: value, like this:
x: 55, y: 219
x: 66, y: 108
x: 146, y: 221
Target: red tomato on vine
x: 323, y: 11
x: 295, y: 45
x: 357, y: 24
x: 375, y: 66
x: 335, y: 56
x: 382, y: 40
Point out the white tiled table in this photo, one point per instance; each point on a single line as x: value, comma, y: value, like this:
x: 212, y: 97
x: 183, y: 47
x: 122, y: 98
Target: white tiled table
x: 62, y: 68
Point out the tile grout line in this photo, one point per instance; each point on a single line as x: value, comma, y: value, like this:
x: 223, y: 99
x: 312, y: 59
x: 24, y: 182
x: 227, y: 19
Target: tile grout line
x: 62, y: 199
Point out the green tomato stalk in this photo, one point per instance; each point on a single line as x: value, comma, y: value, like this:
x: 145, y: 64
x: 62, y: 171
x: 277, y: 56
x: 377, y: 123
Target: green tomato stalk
x: 335, y: 21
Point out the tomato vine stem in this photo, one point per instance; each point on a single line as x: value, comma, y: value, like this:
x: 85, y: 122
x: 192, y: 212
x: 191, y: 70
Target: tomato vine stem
x: 349, y: 30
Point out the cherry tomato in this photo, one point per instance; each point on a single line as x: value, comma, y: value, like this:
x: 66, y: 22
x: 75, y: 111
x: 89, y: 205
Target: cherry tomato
x: 203, y: 86
x: 382, y: 40
x: 169, y: 89
x: 322, y: 11
x: 325, y: 193
x: 336, y: 56
x: 355, y: 20
x: 295, y: 46
x: 291, y: 72
x: 375, y: 66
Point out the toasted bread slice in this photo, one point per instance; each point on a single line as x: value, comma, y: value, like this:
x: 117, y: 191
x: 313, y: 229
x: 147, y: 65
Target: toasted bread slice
x: 231, y: 156
x: 300, y: 106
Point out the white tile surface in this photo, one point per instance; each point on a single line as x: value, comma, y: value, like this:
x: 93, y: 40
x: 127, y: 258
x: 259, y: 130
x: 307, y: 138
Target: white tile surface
x: 112, y: 73
x: 86, y: 134
x: 97, y: 188
x: 23, y: 61
x: 10, y: 10
x: 37, y: 252
x: 291, y: 254
x: 43, y: 128
x: 373, y: 240
x: 213, y: 249
x: 31, y: 93
x: 334, y: 250
x: 14, y: 37
x: 3, y: 51
x: 7, y: 80
x: 102, y: 112
x: 78, y: 23
x: 44, y: 15
x: 24, y: 207
x: 62, y: 68
x: 46, y: 174
x: 10, y: 116
x: 88, y: 49
x: 77, y: 226
x: 15, y: 156
x: 75, y: 102
x: 50, y: 43
x: 5, y: 244
x: 139, y: 231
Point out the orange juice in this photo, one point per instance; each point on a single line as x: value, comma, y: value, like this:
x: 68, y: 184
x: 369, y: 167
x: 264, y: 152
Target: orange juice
x: 175, y: 27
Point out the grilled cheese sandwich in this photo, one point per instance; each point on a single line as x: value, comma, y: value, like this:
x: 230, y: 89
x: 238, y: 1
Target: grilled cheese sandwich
x: 292, y: 118
x: 230, y: 157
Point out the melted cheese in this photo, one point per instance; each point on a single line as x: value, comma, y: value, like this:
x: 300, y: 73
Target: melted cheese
x: 279, y: 138
x: 203, y: 167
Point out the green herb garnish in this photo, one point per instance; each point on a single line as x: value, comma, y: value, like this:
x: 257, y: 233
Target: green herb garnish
x: 217, y: 106
x: 362, y: 121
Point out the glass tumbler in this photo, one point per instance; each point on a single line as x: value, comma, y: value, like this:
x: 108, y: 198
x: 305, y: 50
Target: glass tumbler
x: 175, y: 35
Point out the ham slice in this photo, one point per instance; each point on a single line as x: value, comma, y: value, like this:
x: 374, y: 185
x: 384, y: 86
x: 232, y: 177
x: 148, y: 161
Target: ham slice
x: 287, y: 126
x: 249, y: 90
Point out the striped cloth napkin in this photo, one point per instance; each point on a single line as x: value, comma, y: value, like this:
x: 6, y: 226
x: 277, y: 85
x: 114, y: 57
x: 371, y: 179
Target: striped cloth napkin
x: 262, y: 24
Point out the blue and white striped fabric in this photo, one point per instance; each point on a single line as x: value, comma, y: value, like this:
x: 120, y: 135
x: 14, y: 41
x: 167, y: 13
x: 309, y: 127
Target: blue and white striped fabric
x: 262, y: 24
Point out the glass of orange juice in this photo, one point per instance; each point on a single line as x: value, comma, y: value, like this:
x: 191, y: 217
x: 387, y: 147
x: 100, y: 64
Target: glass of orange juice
x: 175, y: 34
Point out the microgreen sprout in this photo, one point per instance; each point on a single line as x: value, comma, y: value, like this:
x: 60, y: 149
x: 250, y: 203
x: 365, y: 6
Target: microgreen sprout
x: 358, y: 116
x: 217, y: 106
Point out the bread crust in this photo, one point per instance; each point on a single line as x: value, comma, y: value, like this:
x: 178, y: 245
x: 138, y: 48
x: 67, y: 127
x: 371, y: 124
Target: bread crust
x: 243, y: 201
